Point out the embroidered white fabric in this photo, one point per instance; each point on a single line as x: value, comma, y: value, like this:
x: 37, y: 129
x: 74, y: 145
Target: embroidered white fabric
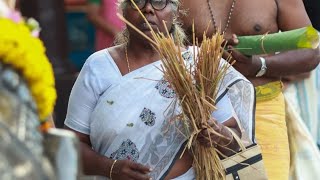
x: 134, y: 116
x: 97, y: 75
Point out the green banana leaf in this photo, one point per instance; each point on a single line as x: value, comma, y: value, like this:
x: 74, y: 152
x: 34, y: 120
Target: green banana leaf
x: 306, y: 37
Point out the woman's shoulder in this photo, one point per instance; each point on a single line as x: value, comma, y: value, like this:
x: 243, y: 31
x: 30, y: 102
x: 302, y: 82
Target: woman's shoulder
x: 99, y: 59
x: 100, y: 70
x: 100, y: 63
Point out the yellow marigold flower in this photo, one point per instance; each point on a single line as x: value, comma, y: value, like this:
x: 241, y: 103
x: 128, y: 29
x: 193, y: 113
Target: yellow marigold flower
x: 26, y: 54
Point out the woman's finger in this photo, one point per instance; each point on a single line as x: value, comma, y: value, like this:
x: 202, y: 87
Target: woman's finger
x: 206, y: 142
x: 204, y: 133
x: 212, y: 122
x: 206, y: 137
x: 203, y: 139
x: 139, y: 167
x: 215, y: 126
x: 209, y: 144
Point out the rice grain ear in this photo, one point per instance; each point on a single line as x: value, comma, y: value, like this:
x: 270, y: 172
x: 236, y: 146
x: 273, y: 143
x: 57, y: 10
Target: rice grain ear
x: 197, y: 91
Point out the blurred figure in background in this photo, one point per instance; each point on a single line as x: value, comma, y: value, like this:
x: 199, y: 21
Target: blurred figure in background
x: 102, y: 13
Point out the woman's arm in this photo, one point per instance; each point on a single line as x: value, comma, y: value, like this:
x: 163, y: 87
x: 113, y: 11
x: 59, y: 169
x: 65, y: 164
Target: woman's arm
x: 83, y: 99
x: 93, y: 163
x: 96, y: 164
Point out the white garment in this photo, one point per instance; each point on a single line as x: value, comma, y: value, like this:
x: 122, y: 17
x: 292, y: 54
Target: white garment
x: 189, y: 175
x: 305, y: 155
x: 133, y: 116
x: 97, y: 75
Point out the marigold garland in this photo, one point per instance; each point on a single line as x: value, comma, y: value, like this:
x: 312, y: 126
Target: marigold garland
x: 26, y: 54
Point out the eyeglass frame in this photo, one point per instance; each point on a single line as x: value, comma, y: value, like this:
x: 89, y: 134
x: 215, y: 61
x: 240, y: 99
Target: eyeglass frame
x: 146, y: 1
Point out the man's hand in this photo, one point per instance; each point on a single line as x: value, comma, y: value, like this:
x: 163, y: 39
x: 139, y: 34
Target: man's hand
x: 247, y: 66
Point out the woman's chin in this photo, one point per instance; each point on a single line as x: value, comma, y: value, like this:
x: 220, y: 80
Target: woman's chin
x: 148, y: 33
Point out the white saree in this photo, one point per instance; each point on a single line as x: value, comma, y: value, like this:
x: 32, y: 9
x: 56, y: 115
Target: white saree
x: 133, y: 116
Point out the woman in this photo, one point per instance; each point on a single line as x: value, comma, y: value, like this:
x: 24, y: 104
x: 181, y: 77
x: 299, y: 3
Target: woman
x: 123, y: 110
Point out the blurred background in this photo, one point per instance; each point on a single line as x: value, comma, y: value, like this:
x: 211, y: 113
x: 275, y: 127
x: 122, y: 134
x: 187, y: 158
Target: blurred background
x: 69, y: 37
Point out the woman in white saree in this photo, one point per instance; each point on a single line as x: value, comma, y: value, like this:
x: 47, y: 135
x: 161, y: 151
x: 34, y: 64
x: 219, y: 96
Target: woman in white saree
x: 124, y: 112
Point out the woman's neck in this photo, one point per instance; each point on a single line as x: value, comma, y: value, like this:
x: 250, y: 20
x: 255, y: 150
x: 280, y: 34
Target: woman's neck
x: 142, y: 52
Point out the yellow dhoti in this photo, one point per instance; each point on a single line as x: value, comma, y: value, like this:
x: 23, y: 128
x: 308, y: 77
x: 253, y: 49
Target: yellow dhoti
x: 271, y: 130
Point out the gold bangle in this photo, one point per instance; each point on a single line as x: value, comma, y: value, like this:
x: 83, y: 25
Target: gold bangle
x: 114, y: 162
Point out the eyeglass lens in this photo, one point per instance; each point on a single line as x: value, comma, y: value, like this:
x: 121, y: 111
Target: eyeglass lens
x: 156, y: 4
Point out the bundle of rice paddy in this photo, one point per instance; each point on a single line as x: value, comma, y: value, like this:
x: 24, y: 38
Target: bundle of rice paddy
x: 197, y: 88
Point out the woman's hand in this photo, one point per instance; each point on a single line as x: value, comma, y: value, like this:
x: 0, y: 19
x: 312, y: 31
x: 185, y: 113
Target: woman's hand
x: 126, y: 169
x: 206, y: 137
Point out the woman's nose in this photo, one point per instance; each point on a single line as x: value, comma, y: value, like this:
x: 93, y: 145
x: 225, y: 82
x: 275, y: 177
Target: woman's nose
x: 148, y: 8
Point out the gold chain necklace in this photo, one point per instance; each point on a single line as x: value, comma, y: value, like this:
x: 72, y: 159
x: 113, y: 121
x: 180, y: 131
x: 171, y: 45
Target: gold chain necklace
x: 228, y: 20
x: 126, y: 51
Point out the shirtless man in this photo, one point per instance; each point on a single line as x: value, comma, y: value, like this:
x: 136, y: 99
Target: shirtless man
x: 254, y: 18
x: 247, y: 17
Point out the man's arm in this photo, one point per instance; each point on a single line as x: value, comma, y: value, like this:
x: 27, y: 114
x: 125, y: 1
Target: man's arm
x: 292, y: 62
x: 292, y: 15
x: 93, y: 9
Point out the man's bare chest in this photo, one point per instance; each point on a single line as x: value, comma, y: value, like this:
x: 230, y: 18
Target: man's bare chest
x: 254, y: 18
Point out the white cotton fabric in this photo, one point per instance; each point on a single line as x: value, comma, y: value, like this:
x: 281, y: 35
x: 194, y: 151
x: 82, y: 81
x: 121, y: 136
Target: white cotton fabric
x: 97, y: 75
x: 135, y: 116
